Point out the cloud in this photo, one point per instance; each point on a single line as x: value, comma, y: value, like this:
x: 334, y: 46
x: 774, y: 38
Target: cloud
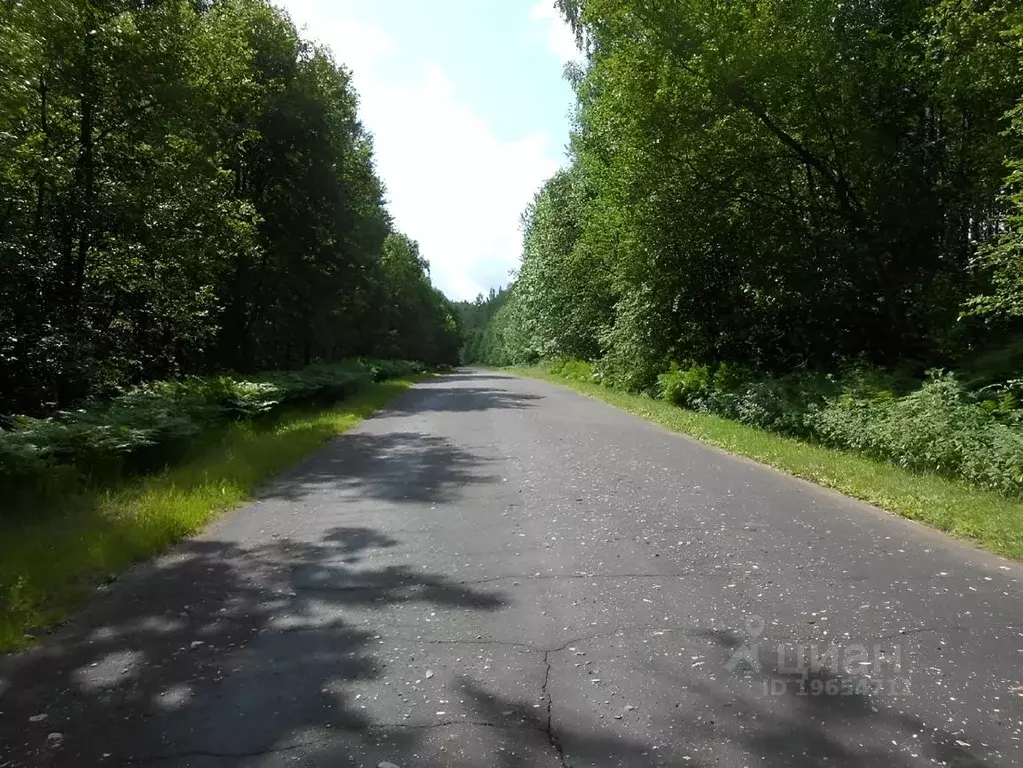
x: 452, y: 183
x: 359, y: 46
x: 555, y: 31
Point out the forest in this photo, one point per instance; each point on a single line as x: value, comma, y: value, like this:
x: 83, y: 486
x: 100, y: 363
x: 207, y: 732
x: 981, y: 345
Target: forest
x: 806, y: 216
x: 186, y: 189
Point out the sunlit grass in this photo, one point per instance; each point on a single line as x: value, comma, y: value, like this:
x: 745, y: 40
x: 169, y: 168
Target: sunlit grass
x: 50, y: 560
x: 989, y: 519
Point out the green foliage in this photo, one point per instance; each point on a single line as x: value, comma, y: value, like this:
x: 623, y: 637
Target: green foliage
x: 994, y: 365
x: 382, y: 370
x: 151, y: 425
x: 687, y: 387
x: 422, y: 321
x: 937, y: 426
x: 780, y: 185
x: 1001, y: 258
x: 798, y: 199
x: 562, y: 297
x: 496, y: 331
x: 478, y: 334
x: 186, y: 188
x: 567, y: 368
x: 562, y: 287
x: 49, y: 562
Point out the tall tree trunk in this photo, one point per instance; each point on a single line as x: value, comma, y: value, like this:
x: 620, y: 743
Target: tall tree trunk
x: 86, y: 162
x: 44, y: 124
x: 77, y: 235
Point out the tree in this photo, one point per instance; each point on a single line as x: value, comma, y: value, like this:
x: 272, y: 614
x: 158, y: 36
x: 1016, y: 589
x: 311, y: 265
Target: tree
x: 1002, y: 258
x: 184, y: 187
x: 776, y: 184
x: 562, y: 286
x: 422, y: 323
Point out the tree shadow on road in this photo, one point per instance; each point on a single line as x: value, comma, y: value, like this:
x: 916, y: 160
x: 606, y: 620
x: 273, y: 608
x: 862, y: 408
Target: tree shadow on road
x: 222, y: 651
x: 459, y: 399
x: 411, y: 467
x: 727, y: 722
x: 825, y: 715
x: 218, y: 652
x: 477, y: 374
x: 224, y: 655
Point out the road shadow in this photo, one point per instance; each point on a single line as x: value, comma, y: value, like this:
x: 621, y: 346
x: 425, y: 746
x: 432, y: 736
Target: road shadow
x: 460, y: 399
x: 400, y: 467
x: 590, y: 749
x: 222, y: 655
x: 824, y: 715
x: 216, y: 652
x: 477, y: 374
x: 775, y: 717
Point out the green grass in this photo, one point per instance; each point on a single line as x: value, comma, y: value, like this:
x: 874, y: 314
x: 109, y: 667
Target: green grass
x: 989, y: 519
x: 50, y: 562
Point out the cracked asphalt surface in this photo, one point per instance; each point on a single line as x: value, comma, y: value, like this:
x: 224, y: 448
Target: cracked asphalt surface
x: 496, y: 571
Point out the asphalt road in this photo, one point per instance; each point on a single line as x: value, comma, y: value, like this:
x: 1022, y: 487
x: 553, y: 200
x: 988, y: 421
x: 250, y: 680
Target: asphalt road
x: 498, y: 572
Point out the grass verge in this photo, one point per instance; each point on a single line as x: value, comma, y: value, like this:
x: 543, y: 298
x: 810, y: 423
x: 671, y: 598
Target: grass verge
x: 49, y: 563
x: 989, y: 519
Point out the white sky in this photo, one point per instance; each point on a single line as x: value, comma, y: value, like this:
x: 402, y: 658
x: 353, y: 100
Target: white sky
x: 453, y: 183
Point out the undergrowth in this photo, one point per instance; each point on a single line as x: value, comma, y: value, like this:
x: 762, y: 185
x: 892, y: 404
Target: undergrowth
x: 85, y: 533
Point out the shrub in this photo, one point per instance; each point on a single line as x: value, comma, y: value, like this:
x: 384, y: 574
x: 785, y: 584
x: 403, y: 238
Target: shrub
x: 765, y: 404
x: 567, y: 368
x: 687, y: 387
x: 152, y: 424
x: 940, y: 427
x: 935, y: 426
x: 382, y: 370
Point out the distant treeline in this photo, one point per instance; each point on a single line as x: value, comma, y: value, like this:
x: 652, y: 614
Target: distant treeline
x: 186, y: 187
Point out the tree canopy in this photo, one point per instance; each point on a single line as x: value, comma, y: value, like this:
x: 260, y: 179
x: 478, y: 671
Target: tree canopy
x: 187, y: 187
x: 780, y: 184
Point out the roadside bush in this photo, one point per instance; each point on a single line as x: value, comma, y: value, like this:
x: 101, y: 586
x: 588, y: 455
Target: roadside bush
x: 685, y: 387
x: 567, y: 368
x: 940, y: 427
x: 937, y: 425
x: 152, y: 424
x: 779, y: 404
x: 381, y: 370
